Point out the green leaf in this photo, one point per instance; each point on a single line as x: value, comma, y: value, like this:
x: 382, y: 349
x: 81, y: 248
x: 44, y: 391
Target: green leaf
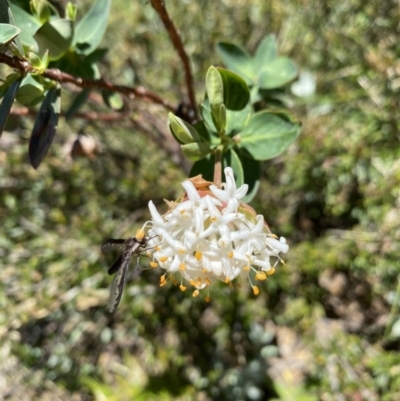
x: 182, y: 131
x: 277, y: 73
x: 4, y: 12
x: 237, y: 60
x: 55, y: 36
x: 218, y: 114
x: 113, y: 100
x: 236, y: 93
x: 236, y: 120
x: 90, y: 30
x: 268, y: 134
x: 266, y: 52
x: 45, y: 126
x: 28, y: 25
x: 77, y: 103
x: 214, y: 87
x: 7, y: 103
x: 6, y: 17
x: 7, y: 33
x: 205, y: 167
x: 207, y: 117
x: 29, y: 90
x: 205, y: 134
x: 196, y: 150
x: 252, y: 174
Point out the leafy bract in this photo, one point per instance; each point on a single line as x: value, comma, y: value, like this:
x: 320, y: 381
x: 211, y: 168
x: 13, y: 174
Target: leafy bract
x: 45, y: 126
x: 268, y: 134
x: 90, y: 29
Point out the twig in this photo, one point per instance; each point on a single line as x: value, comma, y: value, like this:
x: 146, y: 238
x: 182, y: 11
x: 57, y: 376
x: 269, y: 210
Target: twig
x: 89, y: 115
x: 158, y: 5
x: 62, y: 77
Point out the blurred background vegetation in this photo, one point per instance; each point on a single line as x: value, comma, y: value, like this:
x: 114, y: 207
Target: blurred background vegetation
x: 325, y: 326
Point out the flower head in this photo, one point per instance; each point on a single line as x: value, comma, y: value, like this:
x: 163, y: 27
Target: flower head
x: 210, y: 235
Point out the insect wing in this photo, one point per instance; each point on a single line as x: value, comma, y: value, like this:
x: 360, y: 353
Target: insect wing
x: 111, y: 245
x: 117, y: 286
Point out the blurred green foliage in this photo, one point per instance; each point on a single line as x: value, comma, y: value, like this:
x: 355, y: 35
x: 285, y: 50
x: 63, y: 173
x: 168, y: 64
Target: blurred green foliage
x: 323, y: 326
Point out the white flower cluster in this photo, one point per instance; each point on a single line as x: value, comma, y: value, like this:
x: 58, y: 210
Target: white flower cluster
x: 208, y: 236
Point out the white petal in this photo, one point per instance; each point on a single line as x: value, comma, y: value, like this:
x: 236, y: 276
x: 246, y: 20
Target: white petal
x: 278, y: 245
x: 157, y: 218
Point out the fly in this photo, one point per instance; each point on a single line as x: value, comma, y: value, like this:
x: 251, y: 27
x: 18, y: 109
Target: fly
x: 131, y: 246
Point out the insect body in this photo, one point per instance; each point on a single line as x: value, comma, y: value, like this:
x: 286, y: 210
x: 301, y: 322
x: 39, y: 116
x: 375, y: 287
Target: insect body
x: 131, y: 246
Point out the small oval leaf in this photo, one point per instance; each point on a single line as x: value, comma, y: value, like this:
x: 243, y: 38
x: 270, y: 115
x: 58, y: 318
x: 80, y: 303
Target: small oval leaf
x: 266, y: 52
x: 29, y: 90
x: 90, y: 29
x: 236, y: 92
x: 182, y: 131
x: 56, y: 37
x: 237, y: 60
x: 7, y: 33
x: 45, y: 127
x: 28, y: 25
x: 214, y: 87
x: 277, y: 73
x: 196, y: 150
x: 268, y: 134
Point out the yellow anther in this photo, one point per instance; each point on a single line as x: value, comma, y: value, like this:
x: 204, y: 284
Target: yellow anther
x: 207, y: 299
x: 196, y: 293
x: 182, y: 267
x: 227, y: 280
x: 181, y: 251
x: 153, y: 264
x: 192, y: 282
x: 271, y: 271
x: 140, y: 233
x: 199, y: 281
x: 246, y: 268
x: 230, y: 255
x: 163, y: 283
x: 182, y: 287
x: 213, y: 218
x: 157, y: 248
x: 162, y: 278
x: 163, y: 258
x: 261, y: 276
x: 198, y: 255
x: 256, y: 290
x: 207, y: 280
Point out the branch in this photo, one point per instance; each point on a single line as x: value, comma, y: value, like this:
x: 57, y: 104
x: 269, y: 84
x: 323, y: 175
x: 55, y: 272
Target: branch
x: 158, y: 5
x: 62, y: 77
x: 88, y: 115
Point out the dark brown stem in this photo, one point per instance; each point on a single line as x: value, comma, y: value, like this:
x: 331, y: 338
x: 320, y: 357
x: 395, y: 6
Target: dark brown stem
x: 158, y: 5
x: 61, y: 77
